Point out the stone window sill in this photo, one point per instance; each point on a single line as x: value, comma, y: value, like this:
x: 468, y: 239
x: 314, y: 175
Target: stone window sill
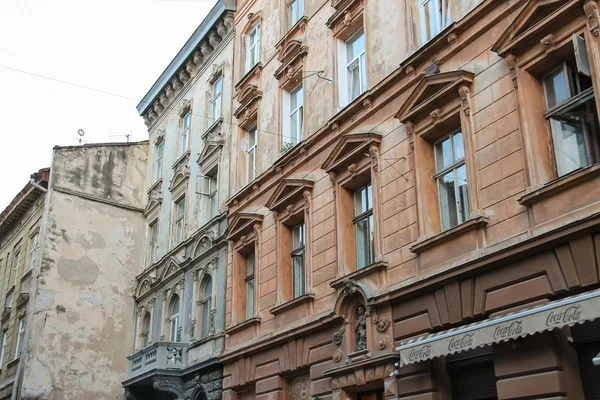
x: 471, y: 224
x: 360, y: 273
x: 306, y: 298
x: 560, y: 184
x: 242, y: 325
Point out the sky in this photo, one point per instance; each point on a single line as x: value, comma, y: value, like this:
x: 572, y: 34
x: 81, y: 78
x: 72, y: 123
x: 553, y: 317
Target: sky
x: 116, y: 46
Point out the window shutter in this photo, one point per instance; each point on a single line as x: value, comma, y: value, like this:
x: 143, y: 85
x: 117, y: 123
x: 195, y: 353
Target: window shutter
x: 474, y: 382
x: 590, y: 374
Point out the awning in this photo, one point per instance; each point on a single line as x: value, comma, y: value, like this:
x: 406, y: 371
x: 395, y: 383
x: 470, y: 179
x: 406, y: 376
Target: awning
x: 556, y: 314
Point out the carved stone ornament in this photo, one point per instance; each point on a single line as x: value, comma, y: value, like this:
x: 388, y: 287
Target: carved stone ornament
x: 410, y: 70
x: 337, y: 356
x: 214, y: 39
x: 338, y: 337
x: 410, y: 128
x: 300, y: 388
x: 374, y: 154
x: 435, y: 116
x: 360, y: 328
x: 198, y: 59
x: 206, y: 49
x: 350, y: 287
x: 381, y: 324
x: 591, y: 11
x: 170, y: 385
x: 452, y: 38
x: 352, y: 169
x: 512, y: 65
x: 465, y: 98
x: 548, y: 42
x: 384, y: 342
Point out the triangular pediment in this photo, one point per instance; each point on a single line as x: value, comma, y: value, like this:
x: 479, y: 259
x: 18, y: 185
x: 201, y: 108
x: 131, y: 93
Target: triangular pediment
x: 171, y: 267
x: 209, y: 149
x: 153, y: 203
x: 431, y: 89
x: 534, y: 13
x: 242, y: 223
x: 288, y: 190
x: 349, y: 148
x: 143, y: 288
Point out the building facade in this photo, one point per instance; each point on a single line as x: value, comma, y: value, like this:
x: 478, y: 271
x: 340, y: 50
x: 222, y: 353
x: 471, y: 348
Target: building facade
x: 414, y: 183
x: 180, y: 294
x: 19, y: 251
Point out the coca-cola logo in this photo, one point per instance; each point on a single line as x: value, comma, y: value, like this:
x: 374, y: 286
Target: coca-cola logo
x: 420, y: 353
x: 570, y: 314
x: 461, y: 342
x: 506, y: 331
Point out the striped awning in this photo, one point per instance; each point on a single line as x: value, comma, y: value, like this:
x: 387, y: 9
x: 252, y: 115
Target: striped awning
x: 556, y: 314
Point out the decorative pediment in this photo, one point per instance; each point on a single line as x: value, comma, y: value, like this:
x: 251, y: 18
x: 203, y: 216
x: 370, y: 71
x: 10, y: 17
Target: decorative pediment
x: 217, y: 70
x: 6, y: 313
x: 249, y: 98
x: 288, y: 191
x: 347, y: 18
x: 203, y: 244
x: 349, y: 148
x: 431, y: 92
x: 242, y: 224
x: 155, y: 198
x: 251, y: 78
x: 143, y: 287
x: 181, y: 173
x: 171, y: 267
x: 292, y: 57
x: 536, y: 19
x: 213, y: 142
x: 22, y: 299
x: 160, y: 137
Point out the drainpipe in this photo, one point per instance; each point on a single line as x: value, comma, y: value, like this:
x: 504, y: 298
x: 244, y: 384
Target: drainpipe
x: 36, y: 185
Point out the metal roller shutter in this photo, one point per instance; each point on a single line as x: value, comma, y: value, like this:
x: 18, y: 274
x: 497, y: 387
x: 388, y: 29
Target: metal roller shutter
x: 474, y: 382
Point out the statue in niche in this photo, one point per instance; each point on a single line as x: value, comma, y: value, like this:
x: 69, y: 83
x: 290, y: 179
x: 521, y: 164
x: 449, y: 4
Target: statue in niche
x: 360, y: 327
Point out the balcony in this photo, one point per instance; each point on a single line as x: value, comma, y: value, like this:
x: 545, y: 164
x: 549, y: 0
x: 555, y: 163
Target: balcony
x: 164, y: 356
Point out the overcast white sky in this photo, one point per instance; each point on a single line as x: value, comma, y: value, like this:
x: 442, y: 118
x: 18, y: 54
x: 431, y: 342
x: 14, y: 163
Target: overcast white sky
x: 119, y: 46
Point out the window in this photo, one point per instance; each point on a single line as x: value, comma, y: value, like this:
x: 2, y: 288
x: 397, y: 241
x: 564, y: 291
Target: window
x: 251, y: 142
x: 296, y: 8
x: 145, y: 335
x: 363, y: 226
x: 294, y: 104
x: 217, y: 95
x: 298, y: 259
x: 174, y: 320
x: 435, y: 16
x: 3, y: 350
x: 159, y: 160
x: 253, y: 47
x: 250, y: 264
x: 571, y: 111
x: 33, y: 251
x: 20, y: 337
x: 153, y: 246
x: 8, y: 300
x: 17, y: 265
x: 211, y: 191
x: 356, y: 65
x: 451, y: 177
x: 179, y: 220
x: 206, y: 306
x: 185, y: 135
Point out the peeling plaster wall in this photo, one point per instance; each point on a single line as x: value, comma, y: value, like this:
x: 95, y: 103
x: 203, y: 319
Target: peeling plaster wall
x: 79, y: 331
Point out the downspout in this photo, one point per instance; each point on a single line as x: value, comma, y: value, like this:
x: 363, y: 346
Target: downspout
x: 36, y: 185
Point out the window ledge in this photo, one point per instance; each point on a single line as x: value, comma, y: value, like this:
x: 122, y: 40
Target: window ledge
x: 306, y: 298
x: 181, y: 158
x: 156, y: 184
x: 559, y: 185
x: 13, y: 362
x: 212, y: 127
x: 198, y: 342
x: 368, y: 270
x: 473, y: 223
x: 27, y: 274
x: 242, y: 325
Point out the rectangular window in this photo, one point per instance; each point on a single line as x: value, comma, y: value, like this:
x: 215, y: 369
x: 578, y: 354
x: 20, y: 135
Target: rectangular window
x: 363, y: 226
x: 296, y: 11
x: 33, y: 252
x: 17, y: 265
x: 253, y: 47
x: 8, y: 300
x: 173, y: 327
x: 20, y: 337
x: 298, y: 259
x: 179, y: 221
x: 3, y: 350
x: 435, y: 16
x: 571, y: 111
x: 250, y: 266
x: 159, y: 160
x: 210, y: 190
x: 251, y: 142
x: 153, y: 242
x: 295, y: 110
x: 356, y: 65
x: 217, y: 95
x: 451, y: 177
x: 185, y: 134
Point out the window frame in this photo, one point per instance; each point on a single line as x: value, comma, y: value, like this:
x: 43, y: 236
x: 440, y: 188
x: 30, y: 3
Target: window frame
x: 299, y: 283
x: 174, y: 319
x: 153, y: 242
x: 251, y: 169
x: 217, y: 98
x: 299, y: 12
x: 206, y: 304
x: 344, y: 64
x: 145, y: 333
x: 179, y: 221
x: 33, y: 251
x: 3, y: 350
x: 186, y: 123
x: 366, y: 215
x: 20, y: 333
x: 442, y: 15
x: 158, y: 164
x: 250, y: 282
x: 253, y: 47
x: 17, y: 257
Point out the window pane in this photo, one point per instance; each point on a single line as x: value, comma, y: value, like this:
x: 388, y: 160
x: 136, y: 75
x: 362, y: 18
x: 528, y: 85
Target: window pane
x: 360, y: 201
x: 180, y: 208
x: 354, y: 80
x: 447, y: 201
x: 173, y: 332
x: 362, y: 243
x: 159, y: 150
x: 443, y: 154
x: 369, y: 196
x: 463, y: 195
x: 556, y: 88
x: 371, y: 249
x: 294, y: 128
x: 570, y: 143
x: 459, y: 147
x: 293, y: 13
x: 217, y: 107
x: 363, y: 74
x: 218, y: 87
x: 186, y: 121
x: 147, y: 323
x: 250, y: 265
x: 356, y: 46
x: 298, y: 237
x: 298, y: 275
x: 207, y: 292
x: 175, y: 306
x: 205, y: 318
x: 251, y: 138
x: 250, y: 299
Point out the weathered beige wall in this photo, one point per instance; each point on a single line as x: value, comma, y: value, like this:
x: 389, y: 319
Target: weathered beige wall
x: 82, y: 309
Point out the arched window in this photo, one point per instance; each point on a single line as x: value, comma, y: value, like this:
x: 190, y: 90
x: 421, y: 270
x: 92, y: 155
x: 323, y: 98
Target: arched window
x: 174, y: 318
x: 206, y: 306
x: 145, y: 334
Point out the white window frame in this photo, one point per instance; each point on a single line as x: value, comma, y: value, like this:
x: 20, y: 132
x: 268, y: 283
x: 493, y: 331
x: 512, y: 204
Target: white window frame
x: 253, y: 47
x: 160, y: 151
x: 179, y: 222
x: 17, y: 262
x: 186, y: 122
x: 288, y: 138
x: 344, y: 64
x: 217, y: 98
x: 298, y: 253
x: 251, y: 169
x: 296, y: 11
x: 431, y: 27
x: 4, y: 337
x: 20, y: 334
x: 153, y: 242
x: 145, y: 334
x: 359, y: 217
x: 33, y: 252
x: 250, y: 284
x: 174, y: 321
x: 206, y: 303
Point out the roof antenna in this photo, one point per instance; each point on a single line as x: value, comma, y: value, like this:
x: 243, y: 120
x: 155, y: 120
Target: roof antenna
x: 80, y: 132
